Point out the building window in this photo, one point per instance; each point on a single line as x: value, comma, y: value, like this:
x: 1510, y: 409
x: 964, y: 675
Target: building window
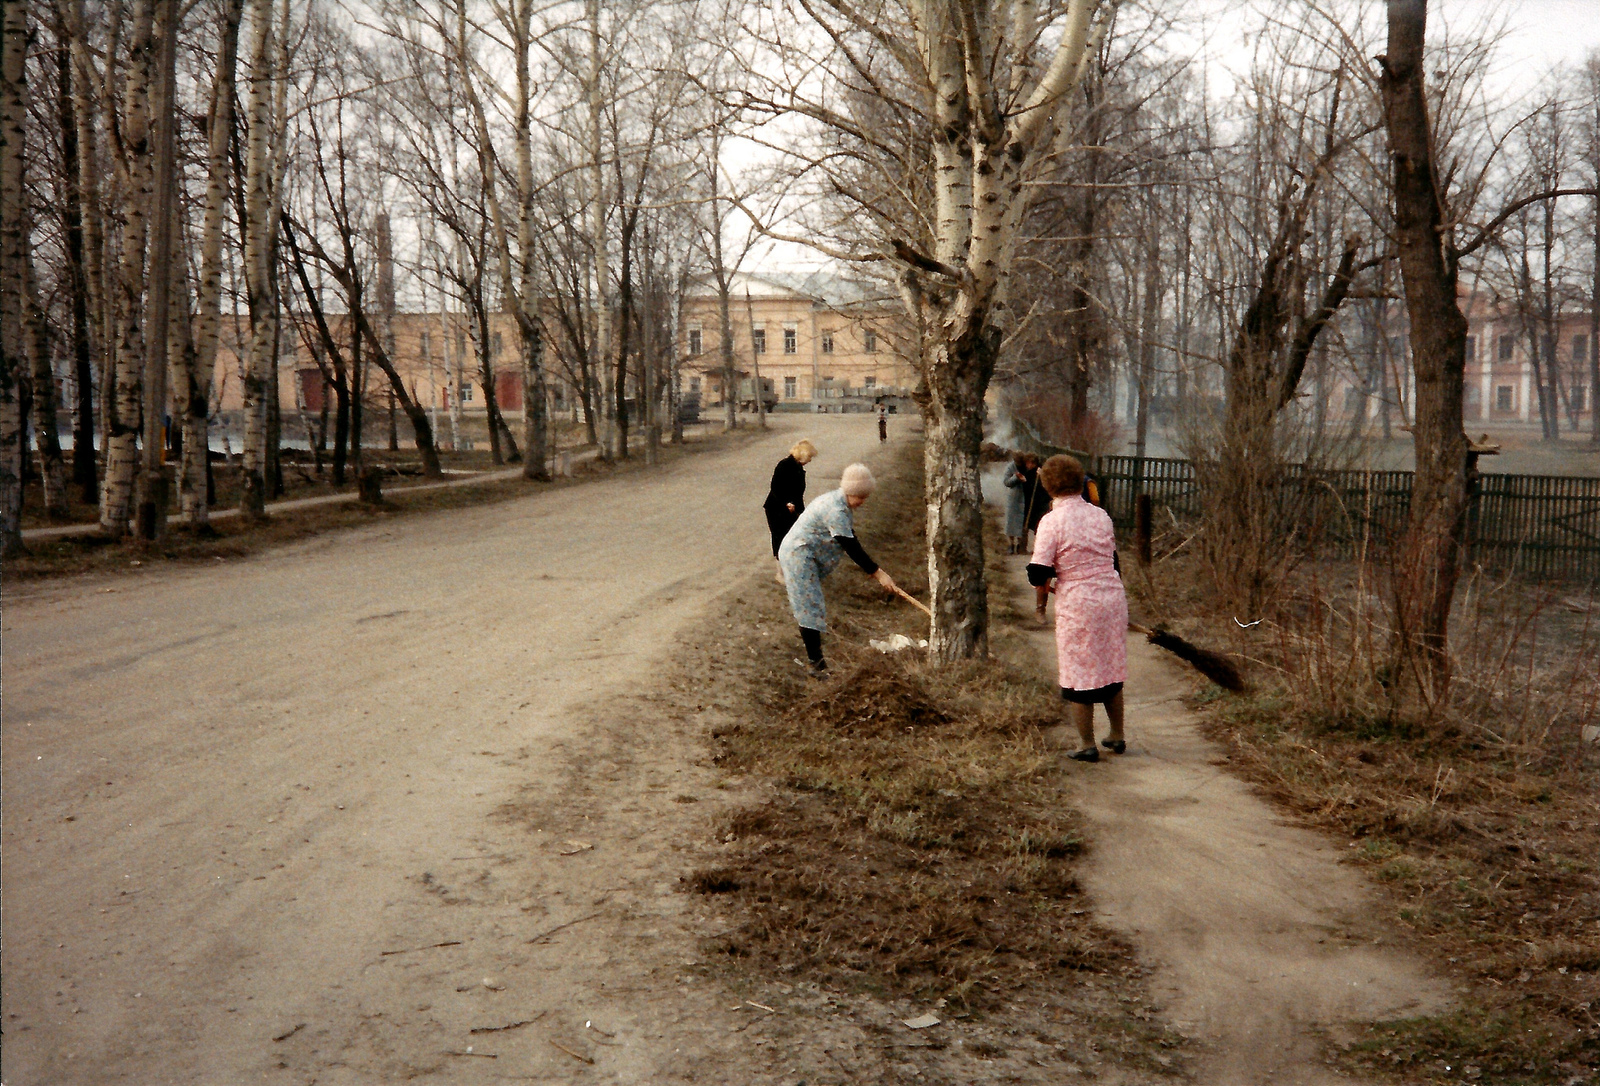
x: 788, y: 388
x: 1502, y: 395
x: 695, y: 344
x: 496, y: 345
x: 790, y: 341
x: 827, y: 343
x: 869, y: 382
x: 1580, y: 348
x: 425, y: 344
x: 1508, y: 346
x: 869, y: 341
x: 466, y: 392
x: 1580, y: 398
x: 1547, y: 349
x: 461, y: 343
x: 694, y: 384
x: 758, y: 336
x: 1472, y: 348
x: 1471, y: 395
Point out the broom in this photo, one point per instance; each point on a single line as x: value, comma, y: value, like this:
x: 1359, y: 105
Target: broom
x: 1213, y: 665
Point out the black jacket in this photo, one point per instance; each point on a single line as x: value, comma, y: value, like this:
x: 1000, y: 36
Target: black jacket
x: 788, y: 485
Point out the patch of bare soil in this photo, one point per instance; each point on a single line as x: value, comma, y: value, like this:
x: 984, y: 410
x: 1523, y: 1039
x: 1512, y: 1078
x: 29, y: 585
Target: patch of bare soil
x: 906, y: 847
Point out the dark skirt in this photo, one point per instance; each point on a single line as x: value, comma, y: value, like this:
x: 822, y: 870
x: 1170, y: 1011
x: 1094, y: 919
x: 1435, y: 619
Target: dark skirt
x: 780, y: 520
x: 1098, y: 696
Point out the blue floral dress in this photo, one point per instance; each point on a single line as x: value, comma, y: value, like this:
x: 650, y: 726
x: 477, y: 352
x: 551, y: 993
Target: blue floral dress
x: 809, y: 554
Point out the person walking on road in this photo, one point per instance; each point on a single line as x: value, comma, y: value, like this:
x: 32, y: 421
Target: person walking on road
x: 787, y: 495
x: 1076, y: 548
x: 883, y: 424
x: 1018, y: 484
x: 814, y: 547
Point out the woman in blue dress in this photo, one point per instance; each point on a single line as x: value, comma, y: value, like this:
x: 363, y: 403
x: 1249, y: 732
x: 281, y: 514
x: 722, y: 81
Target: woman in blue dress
x: 823, y: 536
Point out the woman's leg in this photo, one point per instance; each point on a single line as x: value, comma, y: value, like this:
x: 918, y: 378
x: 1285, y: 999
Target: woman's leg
x: 813, y: 642
x: 1083, y: 720
x: 1114, y: 711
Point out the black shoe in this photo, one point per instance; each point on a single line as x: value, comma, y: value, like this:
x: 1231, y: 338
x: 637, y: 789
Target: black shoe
x: 818, y: 669
x: 1115, y: 746
x: 1087, y: 754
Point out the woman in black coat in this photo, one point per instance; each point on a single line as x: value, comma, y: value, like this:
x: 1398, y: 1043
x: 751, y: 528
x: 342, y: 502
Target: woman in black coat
x: 787, y: 497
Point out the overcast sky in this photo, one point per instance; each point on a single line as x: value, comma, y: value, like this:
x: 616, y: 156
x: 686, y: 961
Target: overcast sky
x: 1539, y: 35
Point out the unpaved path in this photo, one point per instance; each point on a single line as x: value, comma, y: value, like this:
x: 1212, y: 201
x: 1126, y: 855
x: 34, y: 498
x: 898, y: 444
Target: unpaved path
x: 1264, y: 942
x: 301, y: 818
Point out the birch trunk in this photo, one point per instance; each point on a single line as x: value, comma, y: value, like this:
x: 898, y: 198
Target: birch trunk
x: 258, y: 262
x: 125, y: 402
x: 194, y: 394
x: 152, y: 523
x: 13, y: 249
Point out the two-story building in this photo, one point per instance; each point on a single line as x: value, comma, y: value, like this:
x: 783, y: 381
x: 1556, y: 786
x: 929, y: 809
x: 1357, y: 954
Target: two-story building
x: 824, y: 341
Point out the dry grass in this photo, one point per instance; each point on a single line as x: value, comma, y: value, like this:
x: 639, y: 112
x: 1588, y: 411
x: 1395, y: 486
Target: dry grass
x: 914, y: 839
x: 1482, y: 828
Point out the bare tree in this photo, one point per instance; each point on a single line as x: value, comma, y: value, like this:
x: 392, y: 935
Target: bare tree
x: 13, y: 257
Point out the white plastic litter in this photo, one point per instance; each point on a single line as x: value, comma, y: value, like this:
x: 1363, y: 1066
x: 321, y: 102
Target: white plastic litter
x: 922, y: 1021
x: 1591, y: 733
x: 897, y: 642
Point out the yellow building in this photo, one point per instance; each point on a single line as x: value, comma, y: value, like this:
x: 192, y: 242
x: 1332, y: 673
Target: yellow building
x: 825, y: 342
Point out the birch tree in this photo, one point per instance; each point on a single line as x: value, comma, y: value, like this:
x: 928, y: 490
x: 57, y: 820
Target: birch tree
x: 193, y: 389
x: 258, y: 231
x: 977, y: 89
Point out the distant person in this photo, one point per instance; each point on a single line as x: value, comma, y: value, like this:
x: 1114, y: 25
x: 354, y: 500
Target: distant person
x: 1017, y: 484
x: 814, y: 547
x: 1038, y: 496
x: 1076, y: 548
x: 787, y: 495
x: 883, y: 423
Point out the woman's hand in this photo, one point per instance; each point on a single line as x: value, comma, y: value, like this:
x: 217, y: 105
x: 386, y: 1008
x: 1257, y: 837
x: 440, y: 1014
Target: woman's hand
x: 883, y: 578
x: 791, y: 507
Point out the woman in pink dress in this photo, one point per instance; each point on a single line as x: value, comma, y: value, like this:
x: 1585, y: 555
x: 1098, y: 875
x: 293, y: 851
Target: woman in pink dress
x: 1076, y: 547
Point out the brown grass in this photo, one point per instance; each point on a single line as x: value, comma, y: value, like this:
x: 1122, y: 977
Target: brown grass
x: 1481, y: 828
x: 915, y: 838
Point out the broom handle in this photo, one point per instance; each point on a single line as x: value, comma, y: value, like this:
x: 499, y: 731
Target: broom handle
x: 909, y: 598
x: 1138, y: 629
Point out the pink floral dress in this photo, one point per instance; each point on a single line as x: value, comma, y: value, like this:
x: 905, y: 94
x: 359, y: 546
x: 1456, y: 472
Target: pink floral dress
x: 1077, y: 541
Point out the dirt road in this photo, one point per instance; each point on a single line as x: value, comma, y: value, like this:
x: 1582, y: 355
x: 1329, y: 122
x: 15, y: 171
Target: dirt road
x: 321, y: 815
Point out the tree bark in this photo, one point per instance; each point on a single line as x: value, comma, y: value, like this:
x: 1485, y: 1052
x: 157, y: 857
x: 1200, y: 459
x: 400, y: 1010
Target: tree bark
x: 152, y: 523
x: 258, y: 264
x: 46, y: 425
x: 85, y: 476
x: 125, y: 403
x: 1428, y: 566
x: 194, y: 394
x: 13, y: 255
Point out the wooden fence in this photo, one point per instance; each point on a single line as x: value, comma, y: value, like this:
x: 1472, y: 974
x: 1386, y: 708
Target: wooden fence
x: 1545, y: 526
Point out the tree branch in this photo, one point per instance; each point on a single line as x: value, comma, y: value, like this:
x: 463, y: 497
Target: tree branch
x: 1313, y: 324
x: 1511, y: 209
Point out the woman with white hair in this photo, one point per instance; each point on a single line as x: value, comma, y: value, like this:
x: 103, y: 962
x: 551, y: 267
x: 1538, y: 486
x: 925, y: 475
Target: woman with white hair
x: 814, y: 547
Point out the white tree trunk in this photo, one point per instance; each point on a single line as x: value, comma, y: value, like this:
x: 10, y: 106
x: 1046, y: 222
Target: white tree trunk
x: 122, y: 457
x: 258, y: 261
x: 195, y: 392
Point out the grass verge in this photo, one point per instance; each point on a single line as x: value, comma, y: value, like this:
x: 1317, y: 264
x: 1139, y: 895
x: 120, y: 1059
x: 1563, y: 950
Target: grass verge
x: 1482, y: 833
x: 910, y: 836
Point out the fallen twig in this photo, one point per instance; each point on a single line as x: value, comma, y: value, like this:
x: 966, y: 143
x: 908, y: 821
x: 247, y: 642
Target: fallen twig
x: 475, y: 1055
x: 761, y: 1006
x: 296, y: 1028
x: 558, y: 927
x: 568, y: 1051
x: 508, y: 1025
x: 414, y: 949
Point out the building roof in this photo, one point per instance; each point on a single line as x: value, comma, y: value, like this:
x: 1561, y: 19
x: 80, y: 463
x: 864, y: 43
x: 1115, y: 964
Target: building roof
x: 825, y: 288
